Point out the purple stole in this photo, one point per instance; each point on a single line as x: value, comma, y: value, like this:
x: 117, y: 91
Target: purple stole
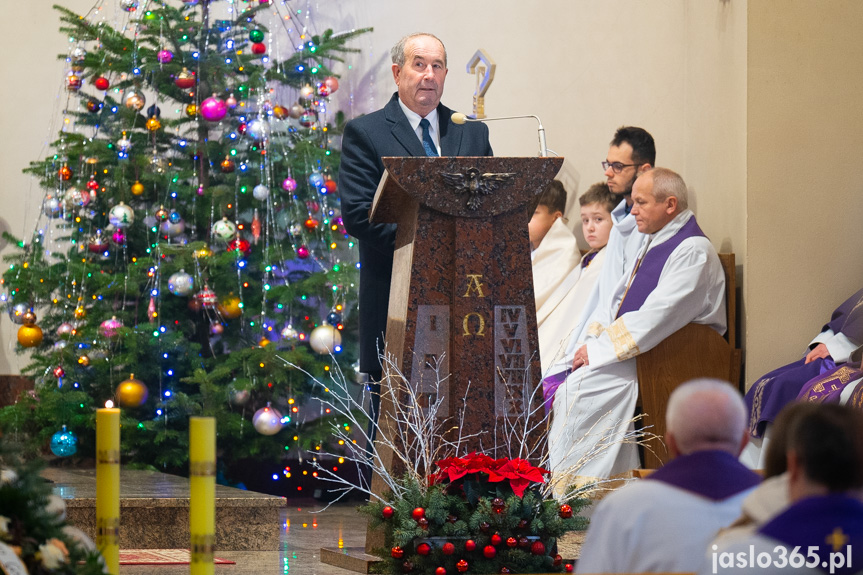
x: 827, y: 388
x: 550, y: 385
x: 713, y: 474
x: 831, y: 524
x: 848, y: 318
x: 648, y: 272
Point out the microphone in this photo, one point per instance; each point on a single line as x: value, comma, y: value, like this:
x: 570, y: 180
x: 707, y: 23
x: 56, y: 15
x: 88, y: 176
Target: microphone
x: 459, y: 118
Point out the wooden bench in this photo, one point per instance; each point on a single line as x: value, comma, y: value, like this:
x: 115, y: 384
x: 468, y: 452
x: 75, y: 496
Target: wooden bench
x: 693, y: 351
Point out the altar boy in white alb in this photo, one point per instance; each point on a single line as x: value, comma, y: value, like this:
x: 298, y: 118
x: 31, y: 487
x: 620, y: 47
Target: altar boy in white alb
x: 676, y: 279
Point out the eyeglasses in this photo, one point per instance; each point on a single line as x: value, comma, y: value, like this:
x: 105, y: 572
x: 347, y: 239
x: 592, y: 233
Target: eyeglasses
x: 616, y: 167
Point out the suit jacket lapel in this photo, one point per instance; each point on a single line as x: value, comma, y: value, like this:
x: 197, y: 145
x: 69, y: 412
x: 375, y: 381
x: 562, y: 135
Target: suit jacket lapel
x: 401, y: 129
x: 450, y: 134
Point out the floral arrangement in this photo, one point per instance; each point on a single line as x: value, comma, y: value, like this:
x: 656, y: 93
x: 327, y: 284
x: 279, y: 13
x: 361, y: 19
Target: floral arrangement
x: 476, y: 514
x: 33, y: 536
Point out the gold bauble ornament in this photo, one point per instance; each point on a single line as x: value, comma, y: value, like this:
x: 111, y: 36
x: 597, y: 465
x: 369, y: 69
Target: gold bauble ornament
x: 264, y: 342
x: 230, y: 307
x: 153, y: 124
x: 191, y: 110
x: 137, y: 188
x: 29, y: 318
x: 29, y: 335
x: 132, y: 392
x: 80, y: 312
x: 84, y: 360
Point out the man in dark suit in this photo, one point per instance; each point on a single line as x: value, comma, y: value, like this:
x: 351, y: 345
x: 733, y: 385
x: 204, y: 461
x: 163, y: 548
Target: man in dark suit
x: 413, y: 123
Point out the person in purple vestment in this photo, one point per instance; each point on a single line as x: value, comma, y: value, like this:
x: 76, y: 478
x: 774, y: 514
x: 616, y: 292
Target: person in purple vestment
x: 821, y: 531
x: 829, y: 350
x: 665, y: 522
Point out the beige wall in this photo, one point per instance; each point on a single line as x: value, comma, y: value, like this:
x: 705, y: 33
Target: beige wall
x: 586, y: 67
x: 805, y: 167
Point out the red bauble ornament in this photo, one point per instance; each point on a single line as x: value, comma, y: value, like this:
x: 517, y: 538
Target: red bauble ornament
x: 65, y: 173
x: 440, y: 571
x: 538, y: 548
x: 311, y: 224
x: 93, y: 185
x: 448, y: 548
x: 461, y: 566
x: 523, y: 541
x: 241, y: 245
x: 557, y: 560
x: 496, y: 539
x: 423, y: 523
x: 484, y: 526
x: 489, y: 552
x: 568, y: 567
x: 511, y: 541
x: 387, y: 512
x: 418, y: 513
x: 330, y: 185
x: 259, y: 48
x: 522, y: 524
x: 497, y: 505
x: 397, y: 552
x: 423, y: 549
x: 470, y: 545
x: 59, y: 372
x: 101, y: 83
x: 565, y: 511
x: 185, y: 80
x: 206, y: 298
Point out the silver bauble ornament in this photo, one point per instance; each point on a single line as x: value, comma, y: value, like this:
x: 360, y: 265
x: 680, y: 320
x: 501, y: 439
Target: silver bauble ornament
x: 267, y: 421
x: 181, y: 283
x: 324, y: 339
x: 261, y: 192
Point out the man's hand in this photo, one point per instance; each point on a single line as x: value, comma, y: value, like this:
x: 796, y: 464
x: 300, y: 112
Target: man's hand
x: 819, y: 352
x: 580, y: 358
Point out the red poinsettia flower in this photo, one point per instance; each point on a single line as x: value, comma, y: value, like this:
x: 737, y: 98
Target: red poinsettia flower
x: 454, y: 468
x: 520, y: 474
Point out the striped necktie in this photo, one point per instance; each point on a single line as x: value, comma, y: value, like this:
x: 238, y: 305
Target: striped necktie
x: 428, y: 143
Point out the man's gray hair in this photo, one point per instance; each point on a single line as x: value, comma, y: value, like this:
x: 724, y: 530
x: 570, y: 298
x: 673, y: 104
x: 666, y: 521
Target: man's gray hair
x: 706, y: 414
x: 398, y: 51
x: 669, y: 183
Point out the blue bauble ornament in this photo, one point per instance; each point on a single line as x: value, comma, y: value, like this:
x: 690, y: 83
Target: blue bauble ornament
x: 174, y: 217
x: 316, y: 179
x: 64, y: 443
x: 334, y: 318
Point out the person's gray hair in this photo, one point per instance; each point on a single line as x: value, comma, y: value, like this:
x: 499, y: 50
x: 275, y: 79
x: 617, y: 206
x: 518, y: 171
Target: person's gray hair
x: 668, y: 183
x: 706, y: 414
x: 398, y: 51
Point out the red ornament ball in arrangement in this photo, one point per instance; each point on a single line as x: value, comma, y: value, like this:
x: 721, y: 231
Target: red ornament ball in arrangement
x: 259, y: 48
x: 484, y: 526
x: 423, y: 523
x: 565, y: 511
x: 511, y: 541
x: 311, y: 224
x: 102, y: 83
x: 568, y: 567
x: 440, y: 571
x: 448, y: 548
x: 418, y: 513
x: 489, y: 552
x: 397, y: 552
x: 59, y: 372
x: 93, y: 185
x: 240, y: 244
x: 423, y: 549
x: 470, y: 545
x: 387, y: 512
x: 330, y: 186
x: 461, y: 566
x: 323, y: 90
x: 522, y: 524
x: 498, y: 505
x: 538, y: 548
x: 496, y: 539
x: 557, y: 560
x: 185, y: 80
x: 207, y: 298
x: 523, y: 541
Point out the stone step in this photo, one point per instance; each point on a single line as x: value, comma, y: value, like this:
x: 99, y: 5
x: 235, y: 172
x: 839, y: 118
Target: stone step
x: 154, y: 510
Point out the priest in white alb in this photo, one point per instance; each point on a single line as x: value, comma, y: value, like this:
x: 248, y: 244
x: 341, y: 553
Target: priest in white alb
x: 676, y: 279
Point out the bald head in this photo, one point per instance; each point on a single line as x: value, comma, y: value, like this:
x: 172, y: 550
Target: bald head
x: 705, y: 414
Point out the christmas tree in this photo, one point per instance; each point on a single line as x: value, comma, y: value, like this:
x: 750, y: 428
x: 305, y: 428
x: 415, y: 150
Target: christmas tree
x: 189, y: 244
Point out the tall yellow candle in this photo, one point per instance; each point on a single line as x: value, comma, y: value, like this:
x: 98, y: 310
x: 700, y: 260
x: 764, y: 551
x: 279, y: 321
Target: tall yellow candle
x: 202, y: 500
x: 108, y: 487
